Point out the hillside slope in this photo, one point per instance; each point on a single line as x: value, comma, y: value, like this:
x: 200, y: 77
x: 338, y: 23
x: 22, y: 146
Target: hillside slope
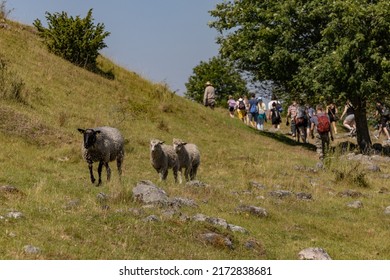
x: 63, y: 216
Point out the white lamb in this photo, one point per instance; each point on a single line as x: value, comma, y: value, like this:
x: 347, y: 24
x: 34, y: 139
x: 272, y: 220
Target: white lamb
x: 163, y: 157
x: 189, y: 158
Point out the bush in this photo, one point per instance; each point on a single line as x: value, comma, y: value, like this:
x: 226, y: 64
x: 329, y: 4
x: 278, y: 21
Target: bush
x: 75, y: 39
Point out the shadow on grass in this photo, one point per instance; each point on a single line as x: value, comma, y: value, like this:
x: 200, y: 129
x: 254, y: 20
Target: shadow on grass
x: 285, y: 139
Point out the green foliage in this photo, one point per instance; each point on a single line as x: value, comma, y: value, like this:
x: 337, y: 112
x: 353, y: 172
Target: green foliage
x: 316, y: 50
x: 224, y: 76
x: 75, y: 39
x: 4, y: 12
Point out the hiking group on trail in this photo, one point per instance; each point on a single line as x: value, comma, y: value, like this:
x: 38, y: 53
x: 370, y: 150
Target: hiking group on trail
x: 320, y: 123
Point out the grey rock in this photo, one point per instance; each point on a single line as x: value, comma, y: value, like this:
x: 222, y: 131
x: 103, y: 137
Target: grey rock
x: 313, y: 254
x: 355, y: 204
x: 217, y: 240
x: 15, y: 215
x: 373, y: 168
x: 235, y: 228
x: 151, y: 218
x: 196, y: 184
x: 200, y: 218
x: 72, y: 204
x: 280, y: 193
x: 29, y: 249
x: 257, y: 185
x: 179, y: 202
x: 102, y: 197
x: 217, y: 221
x: 254, y: 210
x: 8, y: 189
x: 350, y: 193
x: 146, y: 192
x: 304, y: 196
x: 387, y: 210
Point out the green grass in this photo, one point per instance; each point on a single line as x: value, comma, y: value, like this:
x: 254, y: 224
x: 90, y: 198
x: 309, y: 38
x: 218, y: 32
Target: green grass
x: 40, y: 155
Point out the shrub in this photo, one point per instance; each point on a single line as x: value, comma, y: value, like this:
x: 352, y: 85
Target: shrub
x: 77, y: 40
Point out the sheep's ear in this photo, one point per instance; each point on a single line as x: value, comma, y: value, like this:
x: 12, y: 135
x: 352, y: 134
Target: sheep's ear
x: 97, y: 131
x: 81, y: 130
x: 161, y: 142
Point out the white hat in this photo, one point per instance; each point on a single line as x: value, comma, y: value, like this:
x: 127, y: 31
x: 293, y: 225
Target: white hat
x: 240, y: 99
x: 208, y: 83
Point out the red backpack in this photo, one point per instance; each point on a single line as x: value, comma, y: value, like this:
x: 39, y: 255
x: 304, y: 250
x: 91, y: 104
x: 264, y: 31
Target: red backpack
x: 323, y: 124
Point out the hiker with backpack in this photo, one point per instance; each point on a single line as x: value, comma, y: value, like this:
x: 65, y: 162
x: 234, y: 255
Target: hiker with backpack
x: 291, y: 114
x: 321, y: 131
x: 262, y: 114
x: 384, y: 116
x: 253, y: 110
x: 301, y: 120
x: 232, y: 106
x: 274, y: 116
x: 241, y: 110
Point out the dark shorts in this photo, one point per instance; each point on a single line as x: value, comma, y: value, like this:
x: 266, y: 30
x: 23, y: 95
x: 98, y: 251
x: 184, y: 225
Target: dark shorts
x: 383, y: 121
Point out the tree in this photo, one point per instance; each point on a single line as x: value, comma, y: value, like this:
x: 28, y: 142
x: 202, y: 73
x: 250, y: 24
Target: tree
x: 75, y: 39
x: 313, y: 49
x: 225, y: 78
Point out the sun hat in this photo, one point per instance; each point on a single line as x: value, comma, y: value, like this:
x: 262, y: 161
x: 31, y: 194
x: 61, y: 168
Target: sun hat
x: 240, y: 99
x: 208, y: 83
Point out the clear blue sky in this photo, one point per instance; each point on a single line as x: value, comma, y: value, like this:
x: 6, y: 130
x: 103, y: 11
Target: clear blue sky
x: 162, y: 40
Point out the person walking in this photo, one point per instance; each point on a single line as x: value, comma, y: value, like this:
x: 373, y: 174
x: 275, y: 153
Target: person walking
x: 232, y: 106
x: 349, y: 121
x: 253, y: 110
x: 321, y: 130
x: 262, y: 113
x: 332, y: 111
x: 291, y: 114
x: 209, y: 96
x: 384, y: 115
x: 241, y: 110
x: 274, y: 116
x: 246, y: 102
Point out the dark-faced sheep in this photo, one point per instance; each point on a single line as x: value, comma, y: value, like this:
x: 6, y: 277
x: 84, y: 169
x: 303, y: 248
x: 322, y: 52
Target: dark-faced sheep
x: 189, y: 158
x: 103, y: 145
x: 163, y: 157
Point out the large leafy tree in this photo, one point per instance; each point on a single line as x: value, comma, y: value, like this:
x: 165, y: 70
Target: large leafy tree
x: 76, y: 39
x: 223, y: 75
x: 314, y: 49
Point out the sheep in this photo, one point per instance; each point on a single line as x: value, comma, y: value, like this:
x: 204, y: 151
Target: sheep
x: 163, y: 157
x: 102, y: 144
x: 189, y: 158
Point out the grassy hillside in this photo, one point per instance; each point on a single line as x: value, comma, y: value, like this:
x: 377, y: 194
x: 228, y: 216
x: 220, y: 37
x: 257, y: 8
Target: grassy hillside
x: 40, y: 156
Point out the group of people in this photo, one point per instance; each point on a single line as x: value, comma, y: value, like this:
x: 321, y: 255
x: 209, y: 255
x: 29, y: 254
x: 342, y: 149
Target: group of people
x: 304, y: 120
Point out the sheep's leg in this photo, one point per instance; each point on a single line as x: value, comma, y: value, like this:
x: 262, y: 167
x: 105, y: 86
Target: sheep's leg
x: 119, y: 161
x: 164, y: 174
x: 175, y: 175
x: 180, y: 176
x: 194, y: 170
x: 108, y: 169
x: 91, y: 172
x: 186, y: 172
x: 100, y: 172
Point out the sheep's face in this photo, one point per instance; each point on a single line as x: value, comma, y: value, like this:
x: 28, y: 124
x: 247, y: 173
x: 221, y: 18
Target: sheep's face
x: 89, y: 137
x: 155, y: 145
x: 178, y: 144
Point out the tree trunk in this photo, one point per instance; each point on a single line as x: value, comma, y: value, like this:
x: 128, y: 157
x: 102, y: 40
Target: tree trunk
x: 363, y: 133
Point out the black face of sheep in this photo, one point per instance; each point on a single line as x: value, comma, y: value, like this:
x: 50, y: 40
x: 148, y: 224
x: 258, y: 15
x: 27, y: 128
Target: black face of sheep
x: 102, y: 144
x: 89, y: 137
